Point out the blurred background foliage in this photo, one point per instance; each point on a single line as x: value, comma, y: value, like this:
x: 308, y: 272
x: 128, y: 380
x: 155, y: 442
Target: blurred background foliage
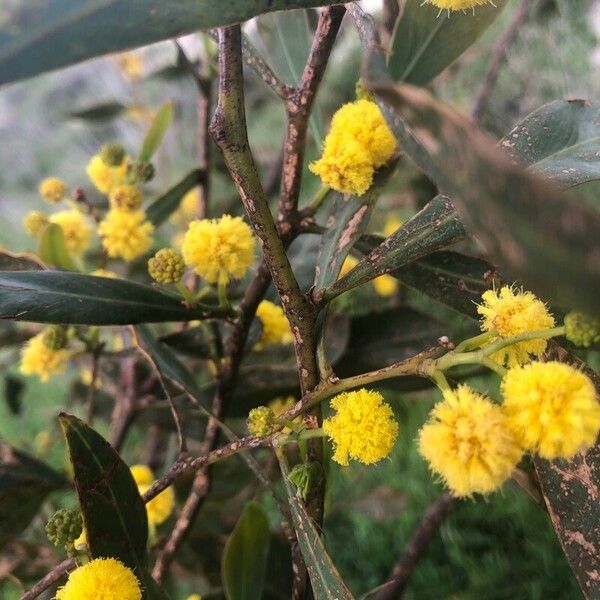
x: 501, y: 547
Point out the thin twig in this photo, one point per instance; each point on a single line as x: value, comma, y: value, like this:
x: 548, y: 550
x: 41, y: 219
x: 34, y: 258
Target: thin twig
x: 498, y: 56
x: 51, y: 578
x: 125, y: 405
x: 91, y: 392
x: 402, y: 571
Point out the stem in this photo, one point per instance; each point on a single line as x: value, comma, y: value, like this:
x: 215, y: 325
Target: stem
x: 440, y: 380
x: 223, y: 300
x: 316, y: 201
x: 474, y: 342
x: 522, y: 337
x: 186, y: 294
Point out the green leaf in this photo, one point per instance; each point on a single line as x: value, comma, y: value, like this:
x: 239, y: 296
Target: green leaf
x: 572, y: 495
x: 348, y: 219
x: 59, y: 297
x: 561, y: 139
x: 532, y: 230
x: 156, y: 131
x: 41, y: 36
x: 114, y: 514
x: 431, y: 229
x: 244, y: 561
x: 52, y: 248
x: 162, y: 208
x: 426, y: 40
x: 24, y: 485
x: 20, y: 262
x: 324, y: 577
x: 99, y: 112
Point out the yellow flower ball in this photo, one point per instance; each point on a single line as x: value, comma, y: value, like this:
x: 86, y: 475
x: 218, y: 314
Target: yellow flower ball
x: 160, y: 508
x: 363, y: 427
x: 126, y: 197
x: 142, y: 474
x: 104, y: 177
x: 508, y: 313
x: 451, y: 5
x: 76, y: 230
x: 101, y: 579
x: 275, y: 326
x: 52, y: 189
x: 385, y: 285
x: 219, y: 249
x: 348, y: 265
x: 34, y: 222
x: 126, y: 234
x: 392, y: 224
x: 194, y: 597
x: 468, y: 441
x: 552, y: 408
x: 38, y: 359
x: 188, y: 210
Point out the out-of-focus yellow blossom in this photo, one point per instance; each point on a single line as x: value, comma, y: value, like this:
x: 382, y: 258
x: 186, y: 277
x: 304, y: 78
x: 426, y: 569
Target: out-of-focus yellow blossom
x: 38, y: 359
x: 452, y: 5
x: 101, y: 579
x: 142, y: 474
x: 126, y: 234
x: 34, y: 222
x: 275, y: 326
x: 581, y: 329
x: 392, y: 224
x: 131, y: 64
x: 104, y: 177
x: 348, y: 265
x: 194, y: 597
x: 42, y: 443
x: 359, y: 141
x: 552, y: 408
x: 52, y: 189
x: 85, y: 376
x: 188, y: 210
x: 363, y: 427
x: 126, y: 197
x: 385, y: 285
x: 81, y: 541
x: 219, y: 249
x: 104, y: 273
x: 282, y: 404
x: 159, y: 509
x: 508, y: 313
x: 76, y: 229
x: 468, y: 441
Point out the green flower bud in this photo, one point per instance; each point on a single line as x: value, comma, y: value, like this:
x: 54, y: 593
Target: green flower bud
x: 166, y: 266
x: 581, y: 329
x: 64, y: 527
x: 55, y: 337
x: 112, y: 154
x: 260, y: 421
x: 305, y: 477
x: 141, y: 171
x: 362, y: 93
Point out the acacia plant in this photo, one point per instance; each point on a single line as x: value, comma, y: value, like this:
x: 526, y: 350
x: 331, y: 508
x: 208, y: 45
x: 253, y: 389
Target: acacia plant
x: 235, y: 340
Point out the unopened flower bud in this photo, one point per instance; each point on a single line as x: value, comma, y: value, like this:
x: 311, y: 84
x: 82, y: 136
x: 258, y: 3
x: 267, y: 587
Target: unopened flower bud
x: 260, y: 421
x: 126, y: 197
x: 52, y: 190
x: 581, y: 329
x: 64, y: 527
x: 112, y: 154
x: 166, y: 266
x: 142, y: 171
x: 34, y: 222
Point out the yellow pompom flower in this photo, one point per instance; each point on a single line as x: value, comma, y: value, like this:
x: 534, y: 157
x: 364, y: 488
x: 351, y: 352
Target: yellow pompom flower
x: 159, y: 509
x: 359, y: 141
x: 468, y: 441
x: 385, y: 285
x: 38, y: 359
x: 552, y: 408
x: 451, y: 5
x: 34, y: 222
x: 126, y: 197
x: 101, y: 579
x: 508, y: 313
x: 125, y: 234
x: 194, y: 597
x: 52, y: 189
x: 363, y: 427
x: 348, y: 265
x: 142, y: 474
x: 76, y: 230
x: 219, y: 249
x: 275, y: 326
x: 104, y: 177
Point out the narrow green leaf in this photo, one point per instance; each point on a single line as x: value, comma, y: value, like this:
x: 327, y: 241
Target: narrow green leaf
x: 426, y: 39
x: 433, y: 228
x: 324, y: 577
x: 156, y: 131
x: 162, y: 208
x: 244, y: 561
x: 59, y: 297
x: 99, y: 112
x: 24, y: 485
x: 52, y: 248
x: 531, y: 229
x: 114, y: 514
x: 39, y: 36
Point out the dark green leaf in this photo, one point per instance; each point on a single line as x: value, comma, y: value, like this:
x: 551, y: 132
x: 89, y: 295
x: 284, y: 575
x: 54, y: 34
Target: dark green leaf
x: 13, y: 391
x: 426, y: 40
x: 20, y: 262
x: 98, y: 112
x: 538, y: 234
x: 572, y: 495
x: 59, y: 297
x: 244, y: 561
x: 324, y: 577
x: 191, y: 341
x: 24, y: 484
x: 114, y: 514
x: 561, y: 139
x: 162, y: 208
x: 156, y: 131
x: 39, y: 36
x: 52, y: 248
x: 433, y: 228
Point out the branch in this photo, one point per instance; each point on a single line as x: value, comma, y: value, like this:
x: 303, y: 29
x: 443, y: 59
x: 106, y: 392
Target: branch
x: 498, y: 55
x: 43, y: 584
x: 433, y: 517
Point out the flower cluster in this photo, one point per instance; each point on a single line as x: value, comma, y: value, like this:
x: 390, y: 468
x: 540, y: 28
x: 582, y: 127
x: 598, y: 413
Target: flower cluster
x: 52, y: 189
x: 359, y: 141
x: 454, y: 5
x: 275, y: 326
x: 166, y: 266
x: 126, y: 234
x: 158, y: 509
x: 38, y: 358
